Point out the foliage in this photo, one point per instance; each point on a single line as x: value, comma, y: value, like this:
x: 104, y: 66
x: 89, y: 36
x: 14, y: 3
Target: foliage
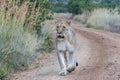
x: 110, y: 3
x: 59, y: 8
x: 74, y: 6
x: 42, y: 7
x: 107, y: 19
x: 78, y: 6
x: 19, y: 23
x: 48, y: 43
x: 3, y: 73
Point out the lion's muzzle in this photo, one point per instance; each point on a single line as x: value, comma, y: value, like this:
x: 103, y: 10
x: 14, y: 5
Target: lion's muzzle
x: 60, y: 37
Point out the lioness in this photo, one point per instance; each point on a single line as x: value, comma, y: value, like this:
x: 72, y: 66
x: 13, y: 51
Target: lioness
x: 65, y: 38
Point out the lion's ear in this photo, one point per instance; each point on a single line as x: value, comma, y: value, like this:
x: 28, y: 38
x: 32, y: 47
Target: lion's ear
x: 57, y: 21
x: 68, y: 22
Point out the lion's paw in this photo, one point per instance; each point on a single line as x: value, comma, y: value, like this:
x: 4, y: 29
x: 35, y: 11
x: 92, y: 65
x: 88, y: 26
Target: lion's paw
x: 71, y: 68
x: 63, y: 72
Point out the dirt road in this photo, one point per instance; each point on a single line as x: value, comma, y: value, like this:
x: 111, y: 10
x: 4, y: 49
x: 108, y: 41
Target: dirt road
x: 98, y: 57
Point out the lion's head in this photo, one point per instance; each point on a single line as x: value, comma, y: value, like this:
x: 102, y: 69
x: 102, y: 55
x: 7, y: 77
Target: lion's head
x: 62, y: 29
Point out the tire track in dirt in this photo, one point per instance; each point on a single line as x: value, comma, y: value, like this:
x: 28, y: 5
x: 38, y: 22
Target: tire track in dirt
x: 104, y: 48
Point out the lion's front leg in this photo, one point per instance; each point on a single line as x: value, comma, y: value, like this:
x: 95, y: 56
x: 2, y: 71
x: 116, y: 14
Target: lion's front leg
x: 62, y: 62
x: 71, y: 62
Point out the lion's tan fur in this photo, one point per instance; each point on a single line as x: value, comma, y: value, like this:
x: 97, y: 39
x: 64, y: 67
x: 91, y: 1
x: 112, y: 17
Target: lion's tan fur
x: 66, y: 43
x: 71, y: 36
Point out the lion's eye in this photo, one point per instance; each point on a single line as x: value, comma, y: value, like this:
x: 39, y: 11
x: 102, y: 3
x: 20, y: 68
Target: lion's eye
x: 63, y: 26
x: 57, y: 26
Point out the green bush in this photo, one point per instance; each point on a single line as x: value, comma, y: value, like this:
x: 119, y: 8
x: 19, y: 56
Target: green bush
x: 48, y: 44
x: 74, y: 6
x: 78, y: 6
x: 3, y: 73
x: 59, y: 8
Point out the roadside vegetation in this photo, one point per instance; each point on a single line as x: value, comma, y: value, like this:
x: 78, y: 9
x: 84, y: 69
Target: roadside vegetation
x: 104, y: 19
x: 21, y: 33
x: 98, y: 14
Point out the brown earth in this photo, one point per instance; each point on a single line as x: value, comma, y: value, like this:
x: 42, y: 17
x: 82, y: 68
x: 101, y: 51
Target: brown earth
x: 98, y: 57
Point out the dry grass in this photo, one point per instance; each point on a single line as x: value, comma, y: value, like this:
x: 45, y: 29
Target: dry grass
x: 98, y: 18
x: 62, y: 15
x: 15, y: 41
x: 102, y: 19
x: 82, y: 18
x: 18, y: 40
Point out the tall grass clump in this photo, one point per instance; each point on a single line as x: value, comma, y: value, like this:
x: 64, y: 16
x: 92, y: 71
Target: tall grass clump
x: 18, y: 34
x: 104, y: 19
x: 82, y: 18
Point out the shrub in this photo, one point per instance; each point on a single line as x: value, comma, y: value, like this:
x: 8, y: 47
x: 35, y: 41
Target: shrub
x: 3, y: 73
x: 98, y: 20
x: 17, y: 45
x: 107, y: 19
x: 113, y: 23
x: 59, y: 8
x: 83, y: 17
x: 79, y: 6
x: 18, y: 39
